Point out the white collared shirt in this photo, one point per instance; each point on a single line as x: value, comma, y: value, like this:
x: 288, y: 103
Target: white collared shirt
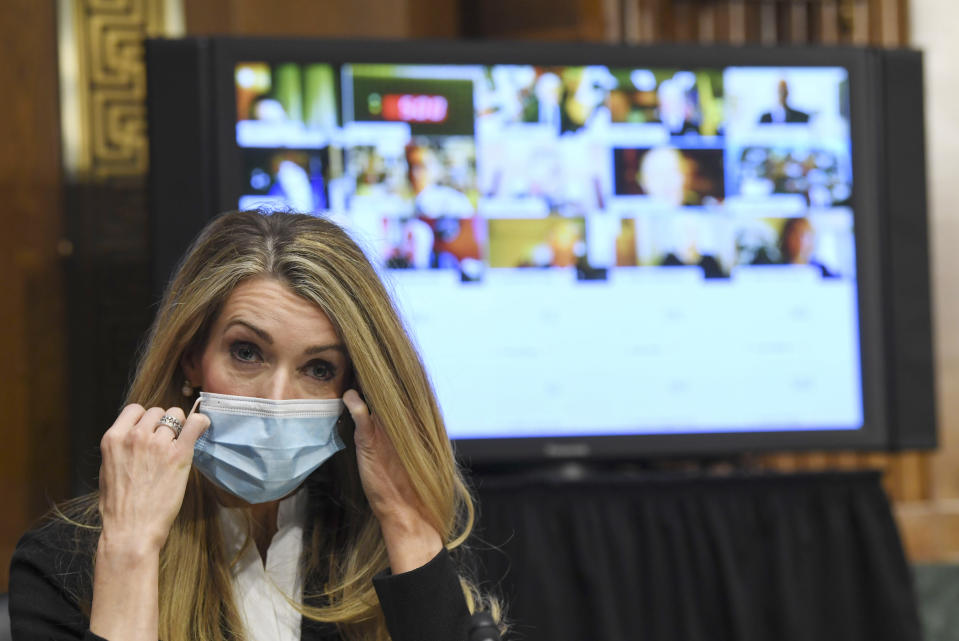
x: 261, y: 591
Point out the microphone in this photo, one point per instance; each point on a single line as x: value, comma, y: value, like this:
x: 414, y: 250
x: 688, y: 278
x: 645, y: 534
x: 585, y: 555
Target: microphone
x: 483, y: 628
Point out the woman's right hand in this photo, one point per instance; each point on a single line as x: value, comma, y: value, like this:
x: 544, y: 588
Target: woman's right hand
x: 143, y: 476
x: 142, y: 481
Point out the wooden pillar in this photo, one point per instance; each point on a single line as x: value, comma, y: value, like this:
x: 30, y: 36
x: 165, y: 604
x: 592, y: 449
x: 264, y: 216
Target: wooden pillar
x: 34, y: 466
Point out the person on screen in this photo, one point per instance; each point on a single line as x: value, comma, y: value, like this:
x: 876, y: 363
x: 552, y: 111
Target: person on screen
x: 431, y: 196
x: 675, y: 110
x: 583, y: 96
x: 415, y: 247
x: 797, y: 244
x: 783, y: 113
x: 685, y: 244
x: 257, y: 516
x: 662, y: 175
x: 449, y: 212
x: 295, y: 186
x: 268, y: 109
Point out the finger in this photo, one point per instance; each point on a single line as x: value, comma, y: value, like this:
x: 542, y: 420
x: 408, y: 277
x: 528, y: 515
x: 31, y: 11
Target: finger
x: 177, y: 414
x: 148, y: 422
x: 354, y: 403
x: 128, y: 417
x: 194, y: 426
x: 364, y: 432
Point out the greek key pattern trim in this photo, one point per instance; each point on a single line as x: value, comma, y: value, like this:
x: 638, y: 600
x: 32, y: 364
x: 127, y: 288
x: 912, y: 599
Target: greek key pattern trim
x: 103, y: 83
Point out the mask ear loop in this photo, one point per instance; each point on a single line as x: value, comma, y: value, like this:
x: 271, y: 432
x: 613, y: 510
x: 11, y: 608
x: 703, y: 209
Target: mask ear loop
x: 193, y: 409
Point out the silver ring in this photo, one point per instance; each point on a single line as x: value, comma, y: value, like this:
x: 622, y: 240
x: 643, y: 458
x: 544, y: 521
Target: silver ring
x: 173, y: 424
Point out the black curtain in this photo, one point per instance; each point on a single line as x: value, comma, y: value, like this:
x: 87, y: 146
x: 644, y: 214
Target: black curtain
x: 807, y: 557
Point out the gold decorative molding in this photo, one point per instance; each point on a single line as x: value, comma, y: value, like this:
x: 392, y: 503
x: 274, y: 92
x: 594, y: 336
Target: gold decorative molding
x: 103, y: 82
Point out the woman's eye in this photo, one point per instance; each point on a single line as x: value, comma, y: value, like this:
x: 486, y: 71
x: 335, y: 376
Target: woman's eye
x: 245, y: 352
x: 320, y: 370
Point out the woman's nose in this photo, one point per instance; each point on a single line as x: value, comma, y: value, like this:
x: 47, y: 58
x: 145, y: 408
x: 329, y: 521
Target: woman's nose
x: 280, y: 386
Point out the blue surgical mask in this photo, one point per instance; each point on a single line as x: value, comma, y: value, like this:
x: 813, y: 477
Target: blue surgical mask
x: 261, y: 450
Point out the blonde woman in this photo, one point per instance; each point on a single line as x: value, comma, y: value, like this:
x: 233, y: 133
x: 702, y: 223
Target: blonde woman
x: 288, y: 517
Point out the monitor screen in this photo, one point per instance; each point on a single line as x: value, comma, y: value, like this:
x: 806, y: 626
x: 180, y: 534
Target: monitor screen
x: 587, y: 250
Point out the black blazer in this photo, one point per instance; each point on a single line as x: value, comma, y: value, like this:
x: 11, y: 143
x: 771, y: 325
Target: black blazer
x: 792, y: 115
x: 426, y: 604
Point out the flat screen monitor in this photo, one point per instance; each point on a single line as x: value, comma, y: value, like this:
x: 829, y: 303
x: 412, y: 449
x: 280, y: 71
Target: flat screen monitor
x: 597, y: 250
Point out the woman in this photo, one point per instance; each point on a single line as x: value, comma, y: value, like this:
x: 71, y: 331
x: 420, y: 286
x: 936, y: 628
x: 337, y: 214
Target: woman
x: 269, y: 308
x: 797, y: 244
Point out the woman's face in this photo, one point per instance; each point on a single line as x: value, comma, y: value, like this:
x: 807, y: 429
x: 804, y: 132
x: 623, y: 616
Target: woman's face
x: 270, y: 343
x: 800, y: 242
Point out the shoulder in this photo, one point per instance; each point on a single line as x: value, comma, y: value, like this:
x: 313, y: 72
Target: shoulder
x: 51, y: 575
x: 57, y: 546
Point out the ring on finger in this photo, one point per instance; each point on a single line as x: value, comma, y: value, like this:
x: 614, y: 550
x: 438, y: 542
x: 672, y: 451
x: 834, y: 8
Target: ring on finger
x: 173, y: 424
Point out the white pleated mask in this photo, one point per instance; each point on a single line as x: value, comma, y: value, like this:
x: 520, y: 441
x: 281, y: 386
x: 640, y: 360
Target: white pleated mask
x: 261, y: 450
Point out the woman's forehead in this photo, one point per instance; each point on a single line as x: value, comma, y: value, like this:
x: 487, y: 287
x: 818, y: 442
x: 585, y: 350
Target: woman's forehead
x: 271, y: 302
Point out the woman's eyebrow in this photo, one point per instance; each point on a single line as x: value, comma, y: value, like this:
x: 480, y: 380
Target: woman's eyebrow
x: 262, y: 333
x: 316, y: 349
x: 268, y: 339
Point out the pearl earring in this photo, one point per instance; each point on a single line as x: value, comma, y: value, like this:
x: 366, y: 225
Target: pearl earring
x: 187, y: 389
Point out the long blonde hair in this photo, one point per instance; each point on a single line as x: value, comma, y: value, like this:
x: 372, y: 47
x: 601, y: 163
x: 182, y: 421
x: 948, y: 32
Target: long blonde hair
x: 344, y: 548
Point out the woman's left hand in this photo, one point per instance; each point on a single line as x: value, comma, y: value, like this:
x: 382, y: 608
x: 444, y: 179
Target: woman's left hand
x: 411, y: 541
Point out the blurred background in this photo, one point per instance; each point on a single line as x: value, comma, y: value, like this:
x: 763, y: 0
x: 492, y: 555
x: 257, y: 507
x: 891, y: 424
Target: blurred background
x: 74, y: 272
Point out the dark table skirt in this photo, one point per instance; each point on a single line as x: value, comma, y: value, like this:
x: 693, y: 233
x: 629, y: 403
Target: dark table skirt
x: 807, y: 557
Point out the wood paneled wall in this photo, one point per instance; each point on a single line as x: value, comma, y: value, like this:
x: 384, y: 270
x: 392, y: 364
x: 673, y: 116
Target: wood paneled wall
x: 933, y: 526
x: 358, y: 18
x: 880, y: 22
x: 34, y: 465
